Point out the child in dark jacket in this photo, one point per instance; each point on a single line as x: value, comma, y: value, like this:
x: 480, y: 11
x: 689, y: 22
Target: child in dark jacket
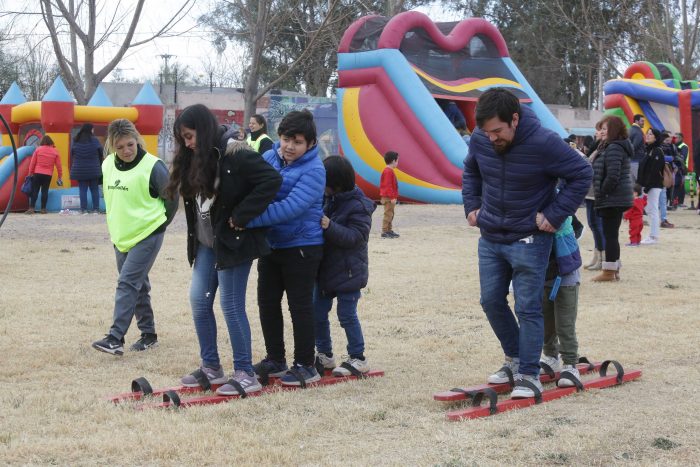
x: 635, y: 216
x: 344, y: 269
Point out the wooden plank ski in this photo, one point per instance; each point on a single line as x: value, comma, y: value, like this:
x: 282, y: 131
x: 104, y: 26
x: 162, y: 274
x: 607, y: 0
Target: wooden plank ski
x: 451, y: 396
x: 603, y: 381
x: 172, y: 399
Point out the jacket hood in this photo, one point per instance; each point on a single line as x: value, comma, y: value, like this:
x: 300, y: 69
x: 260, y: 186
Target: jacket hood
x: 226, y: 133
x: 357, y: 193
x: 527, y: 124
x: 625, y: 144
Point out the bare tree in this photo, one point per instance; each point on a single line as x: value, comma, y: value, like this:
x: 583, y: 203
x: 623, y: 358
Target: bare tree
x: 76, y: 59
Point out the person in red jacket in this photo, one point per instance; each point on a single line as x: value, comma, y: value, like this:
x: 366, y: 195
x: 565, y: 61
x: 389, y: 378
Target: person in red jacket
x: 635, y: 216
x: 44, y: 159
x: 389, y: 193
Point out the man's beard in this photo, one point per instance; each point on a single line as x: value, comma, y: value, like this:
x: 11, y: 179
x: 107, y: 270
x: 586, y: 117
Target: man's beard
x: 502, y: 149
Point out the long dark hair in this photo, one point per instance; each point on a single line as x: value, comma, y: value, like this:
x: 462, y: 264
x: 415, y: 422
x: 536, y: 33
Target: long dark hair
x: 194, y: 171
x: 83, y: 135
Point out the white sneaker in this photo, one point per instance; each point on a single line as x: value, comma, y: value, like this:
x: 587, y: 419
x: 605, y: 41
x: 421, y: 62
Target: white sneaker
x: 523, y: 392
x: 571, y: 369
x: 360, y: 365
x: 649, y: 241
x: 327, y: 362
x: 501, y: 376
x: 553, y: 362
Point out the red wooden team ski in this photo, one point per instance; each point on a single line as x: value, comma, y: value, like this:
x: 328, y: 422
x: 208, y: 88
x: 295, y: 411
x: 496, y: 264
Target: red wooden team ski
x: 494, y: 406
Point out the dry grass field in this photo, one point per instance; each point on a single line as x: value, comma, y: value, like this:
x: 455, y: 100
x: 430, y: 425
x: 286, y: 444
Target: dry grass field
x: 423, y: 325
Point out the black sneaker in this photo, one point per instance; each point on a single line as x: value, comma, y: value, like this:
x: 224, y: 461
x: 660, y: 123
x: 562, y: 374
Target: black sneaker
x: 110, y: 344
x: 146, y: 342
x: 393, y: 234
x: 388, y: 235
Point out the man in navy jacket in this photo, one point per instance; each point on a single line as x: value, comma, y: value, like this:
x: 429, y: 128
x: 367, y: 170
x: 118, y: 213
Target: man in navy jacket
x: 508, y: 188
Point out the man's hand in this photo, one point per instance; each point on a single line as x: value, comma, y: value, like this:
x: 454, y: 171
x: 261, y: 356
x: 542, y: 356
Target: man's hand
x: 543, y: 224
x: 471, y: 218
x: 325, y: 222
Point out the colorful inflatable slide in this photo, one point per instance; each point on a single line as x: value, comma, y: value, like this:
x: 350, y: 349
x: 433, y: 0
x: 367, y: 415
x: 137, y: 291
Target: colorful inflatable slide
x: 391, y: 70
x: 58, y: 116
x: 658, y: 92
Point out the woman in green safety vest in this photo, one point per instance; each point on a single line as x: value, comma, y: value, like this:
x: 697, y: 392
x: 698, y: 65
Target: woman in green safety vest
x: 258, y: 139
x: 138, y: 212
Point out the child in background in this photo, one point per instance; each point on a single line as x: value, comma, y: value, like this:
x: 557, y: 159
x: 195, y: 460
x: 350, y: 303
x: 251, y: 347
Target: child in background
x: 389, y: 193
x: 344, y: 269
x: 635, y: 215
x: 296, y: 239
x: 560, y: 306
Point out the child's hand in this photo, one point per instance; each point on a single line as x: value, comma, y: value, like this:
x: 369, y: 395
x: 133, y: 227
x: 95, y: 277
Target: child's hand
x: 325, y: 222
x: 234, y: 226
x: 393, y: 201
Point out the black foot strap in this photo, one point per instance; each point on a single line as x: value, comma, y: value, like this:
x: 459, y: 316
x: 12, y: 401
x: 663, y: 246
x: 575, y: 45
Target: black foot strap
x: 297, y: 374
x: 353, y: 371
x: 319, y: 366
x: 535, y: 389
x: 172, y: 397
x: 202, y: 379
x: 618, y: 367
x: 570, y: 377
x: 264, y: 377
x: 478, y: 396
x: 585, y: 360
x: 508, y: 373
x: 239, y: 388
x: 141, y: 385
x: 547, y: 370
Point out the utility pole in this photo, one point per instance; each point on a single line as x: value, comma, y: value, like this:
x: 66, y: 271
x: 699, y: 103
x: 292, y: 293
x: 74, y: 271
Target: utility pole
x: 166, y: 70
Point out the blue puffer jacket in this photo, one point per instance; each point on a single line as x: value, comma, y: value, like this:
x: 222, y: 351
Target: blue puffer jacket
x: 86, y: 160
x: 294, y: 217
x: 344, y: 267
x: 511, y: 188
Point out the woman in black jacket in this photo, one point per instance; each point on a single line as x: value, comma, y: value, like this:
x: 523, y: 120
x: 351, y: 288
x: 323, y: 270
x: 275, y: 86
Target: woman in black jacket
x: 612, y: 186
x: 86, y: 161
x: 651, y: 176
x: 224, y: 184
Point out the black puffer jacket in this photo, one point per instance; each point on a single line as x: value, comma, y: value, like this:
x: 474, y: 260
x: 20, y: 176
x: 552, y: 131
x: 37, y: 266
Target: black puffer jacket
x: 612, y: 183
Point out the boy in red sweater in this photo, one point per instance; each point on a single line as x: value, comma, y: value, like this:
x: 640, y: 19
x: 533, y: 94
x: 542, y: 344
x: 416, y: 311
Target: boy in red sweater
x: 389, y: 193
x: 635, y: 216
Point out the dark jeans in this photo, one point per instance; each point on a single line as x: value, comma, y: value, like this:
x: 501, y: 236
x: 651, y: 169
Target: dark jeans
x: 347, y: 316
x: 83, y: 186
x: 612, y: 218
x: 40, y: 181
x: 595, y: 223
x: 291, y: 270
x: 524, y: 262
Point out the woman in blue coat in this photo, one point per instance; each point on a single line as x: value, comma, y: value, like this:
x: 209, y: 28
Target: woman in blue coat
x: 86, y: 162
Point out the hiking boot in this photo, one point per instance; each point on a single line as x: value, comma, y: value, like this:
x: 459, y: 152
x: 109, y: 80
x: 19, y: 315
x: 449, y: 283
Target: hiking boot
x: 271, y: 368
x: 214, y: 377
x: 522, y: 392
x: 110, y: 345
x: 501, y: 376
x: 552, y: 362
x: 360, y: 365
x: 572, y: 370
x: 146, y: 342
x: 324, y: 361
x: 667, y: 225
x: 305, y: 372
x: 247, y: 382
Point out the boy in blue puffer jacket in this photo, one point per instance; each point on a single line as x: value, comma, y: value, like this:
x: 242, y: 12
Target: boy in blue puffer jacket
x: 296, y: 240
x: 344, y: 269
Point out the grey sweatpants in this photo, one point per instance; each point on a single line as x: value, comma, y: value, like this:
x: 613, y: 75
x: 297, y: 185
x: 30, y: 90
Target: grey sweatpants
x: 133, y: 287
x: 560, y: 324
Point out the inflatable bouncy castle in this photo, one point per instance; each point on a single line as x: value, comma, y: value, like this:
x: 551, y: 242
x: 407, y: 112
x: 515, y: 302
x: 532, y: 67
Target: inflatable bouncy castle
x: 392, y: 70
x: 58, y: 116
x: 658, y: 92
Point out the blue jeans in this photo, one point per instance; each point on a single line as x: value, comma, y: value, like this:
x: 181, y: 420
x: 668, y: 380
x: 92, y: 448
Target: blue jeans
x: 232, y: 283
x: 595, y: 223
x: 83, y: 186
x: 347, y: 315
x: 663, y: 201
x: 525, y: 264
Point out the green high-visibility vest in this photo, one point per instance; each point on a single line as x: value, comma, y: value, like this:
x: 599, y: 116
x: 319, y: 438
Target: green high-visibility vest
x: 256, y: 144
x: 132, y: 213
x: 681, y: 146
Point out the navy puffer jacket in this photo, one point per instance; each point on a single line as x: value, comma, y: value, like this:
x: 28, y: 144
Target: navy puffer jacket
x: 344, y: 267
x: 511, y: 188
x: 86, y: 160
